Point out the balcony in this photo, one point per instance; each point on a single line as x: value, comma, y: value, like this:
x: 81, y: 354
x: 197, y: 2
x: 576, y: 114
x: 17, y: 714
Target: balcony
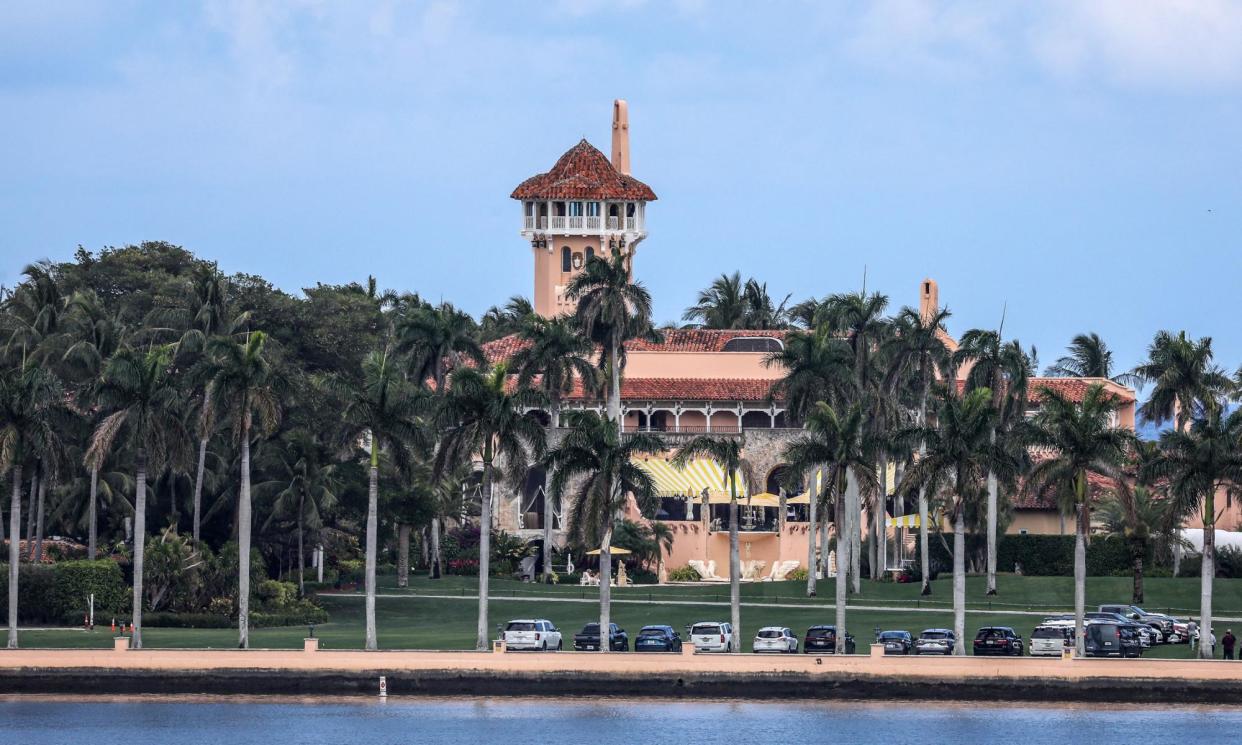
x: 582, y: 224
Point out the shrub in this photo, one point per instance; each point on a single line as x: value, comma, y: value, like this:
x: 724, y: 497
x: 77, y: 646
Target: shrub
x: 276, y: 595
x: 187, y: 620
x: 34, y: 593
x: 75, y: 581
x: 683, y: 574
x: 642, y: 576
x: 798, y: 575
x: 303, y: 613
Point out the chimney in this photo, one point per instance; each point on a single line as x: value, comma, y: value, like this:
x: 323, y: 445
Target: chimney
x: 621, y: 136
x: 929, y: 298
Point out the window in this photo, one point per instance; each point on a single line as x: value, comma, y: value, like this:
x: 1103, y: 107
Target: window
x: 575, y: 209
x: 754, y: 344
x: 590, y: 253
x: 566, y: 259
x: 592, y: 209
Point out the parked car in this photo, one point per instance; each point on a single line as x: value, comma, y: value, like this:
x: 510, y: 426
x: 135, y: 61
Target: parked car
x: 823, y: 639
x: 1052, y: 639
x: 1182, y: 633
x: 1162, y: 622
x: 712, y: 636
x: 1111, y: 639
x: 1147, y: 635
x: 935, y: 641
x: 587, y: 640
x: 775, y: 639
x: 657, y: 639
x: 896, y: 642
x: 532, y: 633
x: 998, y: 640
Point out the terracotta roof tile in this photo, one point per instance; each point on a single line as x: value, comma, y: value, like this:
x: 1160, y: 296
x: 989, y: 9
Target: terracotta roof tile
x: 583, y: 172
x: 1075, y: 389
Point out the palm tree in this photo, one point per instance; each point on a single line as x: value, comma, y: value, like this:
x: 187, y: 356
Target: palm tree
x: 144, y: 408
x: 305, y: 485
x: 726, y: 453
x: 1087, y: 357
x: 502, y: 321
x: 721, y: 306
x: 382, y: 412
x: 1143, y: 520
x: 33, y: 316
x: 1198, y: 463
x: 435, y: 340
x: 557, y: 356
x: 958, y: 453
x: 760, y: 311
x: 243, y: 383
x: 1083, y: 440
x: 479, y: 415
x: 1186, y: 380
x: 611, y: 311
x: 598, y: 463
x: 1004, y: 369
x: 922, y: 349
x: 834, y: 443
x: 29, y: 399
x: 662, y: 535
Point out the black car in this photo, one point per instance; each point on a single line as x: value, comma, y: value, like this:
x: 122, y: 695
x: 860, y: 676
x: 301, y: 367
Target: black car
x: 1108, y: 639
x: 657, y: 639
x: 896, y: 642
x: 823, y: 640
x: 1147, y: 635
x: 1000, y: 640
x: 587, y: 640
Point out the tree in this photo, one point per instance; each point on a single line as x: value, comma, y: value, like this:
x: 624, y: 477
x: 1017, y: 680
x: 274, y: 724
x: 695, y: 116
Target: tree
x: 382, y: 413
x: 662, y: 535
x: 479, y: 415
x: 958, y: 453
x: 556, y: 357
x: 243, y: 383
x: 501, y: 321
x: 144, y: 408
x: 435, y: 340
x: 30, y: 398
x: 1198, y: 463
x: 922, y: 350
x: 833, y: 442
x: 1004, y: 369
x: 33, y: 316
x: 721, y: 306
x: 1186, y: 382
x: 598, y: 464
x: 1141, y: 518
x: 611, y: 311
x: 1083, y: 440
x: 304, y: 486
x: 726, y: 453
x: 1087, y: 357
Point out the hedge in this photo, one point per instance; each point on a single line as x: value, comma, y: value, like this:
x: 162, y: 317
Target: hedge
x: 74, y: 582
x: 34, y: 592
x: 1045, y: 555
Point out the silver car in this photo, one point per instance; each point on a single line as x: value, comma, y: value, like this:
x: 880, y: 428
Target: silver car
x: 776, y: 639
x: 935, y: 641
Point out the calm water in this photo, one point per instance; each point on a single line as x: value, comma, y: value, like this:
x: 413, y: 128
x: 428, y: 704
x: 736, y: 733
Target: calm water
x: 190, y: 721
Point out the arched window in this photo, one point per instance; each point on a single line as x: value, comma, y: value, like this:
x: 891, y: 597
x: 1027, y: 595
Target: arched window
x: 590, y: 253
x: 566, y: 259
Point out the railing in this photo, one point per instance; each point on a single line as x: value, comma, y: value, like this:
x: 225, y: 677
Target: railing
x: 697, y: 429
x: 584, y: 223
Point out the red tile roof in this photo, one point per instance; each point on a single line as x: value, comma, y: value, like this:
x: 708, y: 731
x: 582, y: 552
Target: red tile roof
x: 583, y: 172
x: 1099, y: 484
x: 1075, y: 389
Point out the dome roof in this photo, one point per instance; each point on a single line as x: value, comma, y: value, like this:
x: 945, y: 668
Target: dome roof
x: 583, y: 172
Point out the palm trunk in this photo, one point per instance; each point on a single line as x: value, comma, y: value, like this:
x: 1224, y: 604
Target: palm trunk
x: 30, y: 514
x: 1207, y: 574
x: 843, y: 557
x: 822, y: 531
x: 485, y: 547
x: 810, y: 542
x: 1080, y: 577
x: 605, y: 587
x: 959, y: 578
x: 42, y: 511
x: 881, y: 530
x: 15, y: 526
x: 855, y: 537
x: 140, y: 546
x: 614, y: 391
x: 1137, y: 594
x: 735, y: 571
x: 92, y: 540
x: 993, y: 489
x: 301, y: 549
x: 434, y: 563
x: 372, y: 539
x: 554, y: 411
x: 198, y: 486
x: 403, y: 555
x: 243, y: 541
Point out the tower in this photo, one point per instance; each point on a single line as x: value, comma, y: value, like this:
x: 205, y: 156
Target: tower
x: 585, y: 206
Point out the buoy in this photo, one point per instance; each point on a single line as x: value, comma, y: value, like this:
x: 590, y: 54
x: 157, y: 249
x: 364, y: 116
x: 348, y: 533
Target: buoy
x: 383, y: 687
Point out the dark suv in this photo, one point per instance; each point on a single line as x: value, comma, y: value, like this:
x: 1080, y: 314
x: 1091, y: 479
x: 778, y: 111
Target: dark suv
x: 587, y: 640
x: 1109, y: 639
x: 657, y: 639
x: 823, y: 640
x: 998, y: 640
x: 896, y: 642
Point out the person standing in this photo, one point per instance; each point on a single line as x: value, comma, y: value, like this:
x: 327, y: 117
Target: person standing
x: 1211, y: 640
x: 1228, y: 641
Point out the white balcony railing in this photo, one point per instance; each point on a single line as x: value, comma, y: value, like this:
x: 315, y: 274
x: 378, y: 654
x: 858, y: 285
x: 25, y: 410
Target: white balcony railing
x: 581, y: 223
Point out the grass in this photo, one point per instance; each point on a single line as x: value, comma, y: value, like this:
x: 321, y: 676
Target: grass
x: 410, y: 619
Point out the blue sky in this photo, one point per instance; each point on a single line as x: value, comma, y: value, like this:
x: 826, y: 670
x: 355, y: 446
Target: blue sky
x: 1079, y: 161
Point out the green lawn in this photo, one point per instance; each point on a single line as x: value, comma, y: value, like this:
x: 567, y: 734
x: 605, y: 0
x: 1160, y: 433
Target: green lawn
x: 411, y: 620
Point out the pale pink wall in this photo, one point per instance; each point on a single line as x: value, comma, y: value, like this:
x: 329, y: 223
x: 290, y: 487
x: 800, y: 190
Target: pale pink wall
x: 700, y: 365
x: 723, y: 419
x: 548, y: 274
x: 693, y: 419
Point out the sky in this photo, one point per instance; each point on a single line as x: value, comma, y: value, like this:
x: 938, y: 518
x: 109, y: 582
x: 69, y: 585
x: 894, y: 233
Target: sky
x: 1073, y: 164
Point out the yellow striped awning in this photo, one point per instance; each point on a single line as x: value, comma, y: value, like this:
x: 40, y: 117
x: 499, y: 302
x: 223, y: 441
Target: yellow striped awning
x: 690, y: 481
x: 904, y: 521
x: 816, y: 482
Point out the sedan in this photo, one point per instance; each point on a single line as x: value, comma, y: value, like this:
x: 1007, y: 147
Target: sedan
x: 776, y: 639
x: 998, y: 640
x: 657, y: 639
x: 896, y: 642
x: 935, y: 641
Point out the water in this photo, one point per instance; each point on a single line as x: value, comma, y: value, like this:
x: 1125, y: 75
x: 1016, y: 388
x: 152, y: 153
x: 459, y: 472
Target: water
x: 242, y: 721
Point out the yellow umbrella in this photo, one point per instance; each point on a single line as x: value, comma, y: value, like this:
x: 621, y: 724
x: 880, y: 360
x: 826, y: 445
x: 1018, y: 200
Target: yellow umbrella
x: 804, y: 498
x: 615, y: 551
